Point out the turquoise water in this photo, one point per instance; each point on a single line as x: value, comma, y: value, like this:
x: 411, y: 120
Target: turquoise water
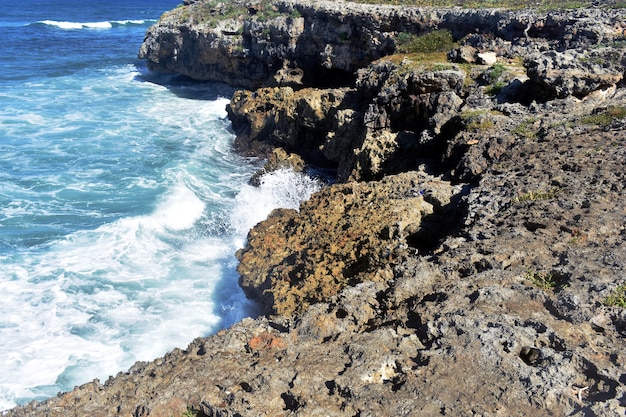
x: 121, y: 203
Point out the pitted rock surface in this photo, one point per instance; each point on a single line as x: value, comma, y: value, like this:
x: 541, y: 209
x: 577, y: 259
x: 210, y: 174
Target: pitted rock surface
x: 345, y: 234
x: 470, y: 273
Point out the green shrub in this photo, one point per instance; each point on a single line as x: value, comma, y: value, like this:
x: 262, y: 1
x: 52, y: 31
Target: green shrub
x: 544, y: 280
x: 437, y: 41
x: 605, y: 118
x: 617, y: 298
x: 536, y: 195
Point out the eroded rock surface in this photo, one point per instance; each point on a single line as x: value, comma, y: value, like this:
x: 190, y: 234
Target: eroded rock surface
x: 465, y: 329
x: 344, y: 235
x: 464, y: 262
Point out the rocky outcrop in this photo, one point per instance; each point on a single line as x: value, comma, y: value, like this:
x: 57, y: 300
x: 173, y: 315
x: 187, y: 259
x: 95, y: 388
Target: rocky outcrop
x: 577, y: 73
x: 470, y: 258
x: 323, y: 43
x: 473, y: 326
x: 387, y: 123
x: 344, y: 235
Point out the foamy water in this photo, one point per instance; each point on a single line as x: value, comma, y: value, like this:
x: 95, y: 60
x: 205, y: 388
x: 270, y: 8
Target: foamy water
x: 121, y: 202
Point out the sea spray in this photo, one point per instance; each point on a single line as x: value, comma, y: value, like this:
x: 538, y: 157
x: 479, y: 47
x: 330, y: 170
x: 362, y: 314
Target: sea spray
x: 121, y: 201
x: 283, y: 188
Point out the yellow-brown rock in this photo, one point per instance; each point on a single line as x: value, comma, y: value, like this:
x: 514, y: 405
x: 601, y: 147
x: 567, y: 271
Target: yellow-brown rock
x: 342, y: 236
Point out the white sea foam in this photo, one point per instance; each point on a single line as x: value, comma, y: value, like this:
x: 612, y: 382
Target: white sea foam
x: 279, y: 189
x: 77, y: 25
x: 146, y: 209
x: 117, y: 294
x: 92, y: 25
x: 126, y: 291
x: 180, y: 209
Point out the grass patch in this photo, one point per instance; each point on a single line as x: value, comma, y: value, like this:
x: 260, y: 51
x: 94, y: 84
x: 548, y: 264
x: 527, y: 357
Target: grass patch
x: 617, y: 298
x: 537, y: 195
x: 525, y: 129
x: 437, y: 41
x: 544, y: 280
x: 442, y: 67
x: 477, y: 120
x: 606, y: 117
x: 212, y: 12
x: 484, y: 4
x: 434, y: 61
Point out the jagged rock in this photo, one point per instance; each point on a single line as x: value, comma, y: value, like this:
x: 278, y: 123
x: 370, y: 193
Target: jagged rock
x: 322, y: 43
x: 345, y: 234
x: 577, y: 73
x: 465, y: 54
x: 364, y: 132
x: 482, y: 291
x: 315, y: 122
x: 279, y: 159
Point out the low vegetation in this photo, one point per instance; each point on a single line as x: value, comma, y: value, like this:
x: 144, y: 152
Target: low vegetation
x: 477, y: 120
x: 213, y: 11
x: 617, y: 298
x: 436, y: 41
x: 544, y: 280
x: 507, y: 4
x: 526, y: 128
x: 537, y: 195
x: 495, y: 74
x: 605, y: 117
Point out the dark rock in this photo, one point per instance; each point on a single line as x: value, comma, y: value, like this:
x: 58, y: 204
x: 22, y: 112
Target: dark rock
x: 574, y: 73
x: 468, y: 276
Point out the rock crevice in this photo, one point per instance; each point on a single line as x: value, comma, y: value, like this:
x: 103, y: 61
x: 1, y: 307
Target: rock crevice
x: 470, y: 256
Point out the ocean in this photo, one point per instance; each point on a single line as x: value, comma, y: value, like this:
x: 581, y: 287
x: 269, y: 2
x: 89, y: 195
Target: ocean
x: 121, y: 201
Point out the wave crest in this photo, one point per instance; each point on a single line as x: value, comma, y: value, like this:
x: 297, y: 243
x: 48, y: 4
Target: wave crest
x: 107, y: 24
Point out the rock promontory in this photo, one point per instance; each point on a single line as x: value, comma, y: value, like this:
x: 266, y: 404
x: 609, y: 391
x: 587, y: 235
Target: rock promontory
x: 468, y: 256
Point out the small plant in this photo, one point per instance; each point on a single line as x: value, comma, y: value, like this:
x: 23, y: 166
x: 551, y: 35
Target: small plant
x: 442, y: 67
x: 577, y: 237
x: 536, y: 195
x: 617, y: 298
x: 495, y: 88
x: 189, y: 413
x: 295, y: 13
x: 494, y: 75
x: 477, y: 120
x: 436, y: 41
x: 544, y: 280
x: 496, y: 71
x: 524, y: 129
x: 605, y: 118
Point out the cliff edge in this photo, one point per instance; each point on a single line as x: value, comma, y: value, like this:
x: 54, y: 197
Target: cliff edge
x: 469, y: 256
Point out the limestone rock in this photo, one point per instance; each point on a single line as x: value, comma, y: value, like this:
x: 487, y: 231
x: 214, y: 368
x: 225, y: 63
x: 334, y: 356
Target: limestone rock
x: 577, y: 73
x: 487, y: 58
x: 345, y: 234
x: 365, y: 132
x: 470, y: 275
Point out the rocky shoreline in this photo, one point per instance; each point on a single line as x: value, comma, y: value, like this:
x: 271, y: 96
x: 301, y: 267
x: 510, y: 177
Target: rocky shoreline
x: 470, y: 257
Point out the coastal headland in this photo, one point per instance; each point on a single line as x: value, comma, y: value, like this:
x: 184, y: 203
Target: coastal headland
x: 468, y: 256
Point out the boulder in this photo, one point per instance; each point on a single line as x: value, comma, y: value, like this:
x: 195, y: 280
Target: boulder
x: 345, y: 234
x: 576, y: 73
x: 487, y: 58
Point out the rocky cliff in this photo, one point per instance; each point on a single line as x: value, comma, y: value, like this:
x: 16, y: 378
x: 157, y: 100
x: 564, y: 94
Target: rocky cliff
x: 469, y: 258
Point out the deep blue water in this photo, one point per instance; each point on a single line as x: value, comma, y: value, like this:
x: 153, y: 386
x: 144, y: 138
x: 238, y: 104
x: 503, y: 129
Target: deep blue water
x: 121, y: 203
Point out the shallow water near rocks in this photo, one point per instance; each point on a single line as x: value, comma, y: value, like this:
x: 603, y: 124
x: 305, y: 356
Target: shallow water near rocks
x: 121, y: 203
